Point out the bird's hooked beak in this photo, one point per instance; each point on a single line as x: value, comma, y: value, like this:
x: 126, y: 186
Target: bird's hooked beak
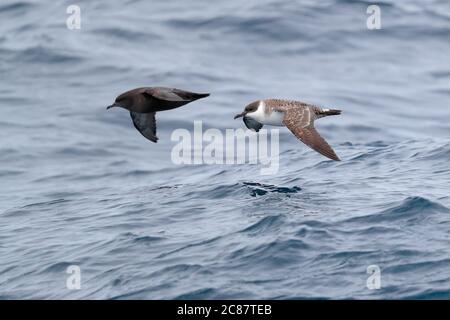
x: 240, y: 115
x: 113, y: 105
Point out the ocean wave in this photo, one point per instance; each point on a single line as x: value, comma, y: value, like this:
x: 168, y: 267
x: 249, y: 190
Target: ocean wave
x: 45, y: 55
x: 16, y: 7
x: 411, y: 209
x: 259, y: 189
x: 265, y: 225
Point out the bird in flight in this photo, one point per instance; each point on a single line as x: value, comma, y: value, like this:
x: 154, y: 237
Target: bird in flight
x: 143, y: 103
x: 297, y: 116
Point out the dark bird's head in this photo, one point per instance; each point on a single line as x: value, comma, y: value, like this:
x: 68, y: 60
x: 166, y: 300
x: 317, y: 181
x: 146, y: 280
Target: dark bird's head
x: 249, y: 110
x: 131, y: 100
x: 122, y: 101
x: 115, y: 104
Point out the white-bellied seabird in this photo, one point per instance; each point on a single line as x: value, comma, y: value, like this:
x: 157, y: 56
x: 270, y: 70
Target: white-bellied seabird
x: 295, y: 115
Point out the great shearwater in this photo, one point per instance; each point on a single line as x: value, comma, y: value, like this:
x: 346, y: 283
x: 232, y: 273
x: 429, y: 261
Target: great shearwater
x: 144, y: 102
x: 295, y: 115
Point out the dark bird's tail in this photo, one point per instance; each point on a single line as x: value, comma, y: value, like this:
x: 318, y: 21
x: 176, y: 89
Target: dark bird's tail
x: 330, y: 112
x: 189, y: 96
x: 196, y: 96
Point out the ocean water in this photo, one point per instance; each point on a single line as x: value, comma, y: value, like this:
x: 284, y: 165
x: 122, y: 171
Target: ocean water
x: 80, y: 186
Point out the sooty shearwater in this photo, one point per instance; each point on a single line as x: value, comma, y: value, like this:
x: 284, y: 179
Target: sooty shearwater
x: 144, y: 102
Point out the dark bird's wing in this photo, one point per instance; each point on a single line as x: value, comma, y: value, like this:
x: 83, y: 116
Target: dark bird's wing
x: 252, y: 124
x: 175, y: 95
x: 301, y: 123
x: 145, y: 123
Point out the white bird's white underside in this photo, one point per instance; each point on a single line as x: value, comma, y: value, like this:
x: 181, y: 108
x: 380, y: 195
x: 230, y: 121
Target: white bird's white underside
x: 273, y: 118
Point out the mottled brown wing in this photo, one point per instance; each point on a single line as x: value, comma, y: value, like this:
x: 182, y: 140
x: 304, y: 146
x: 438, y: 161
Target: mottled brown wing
x: 302, y: 126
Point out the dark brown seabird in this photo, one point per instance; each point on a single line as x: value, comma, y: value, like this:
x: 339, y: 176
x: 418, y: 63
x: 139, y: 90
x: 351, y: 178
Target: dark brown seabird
x: 144, y: 102
x: 295, y: 115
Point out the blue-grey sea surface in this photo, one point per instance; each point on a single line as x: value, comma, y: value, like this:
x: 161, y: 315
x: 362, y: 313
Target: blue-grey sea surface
x: 79, y: 186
